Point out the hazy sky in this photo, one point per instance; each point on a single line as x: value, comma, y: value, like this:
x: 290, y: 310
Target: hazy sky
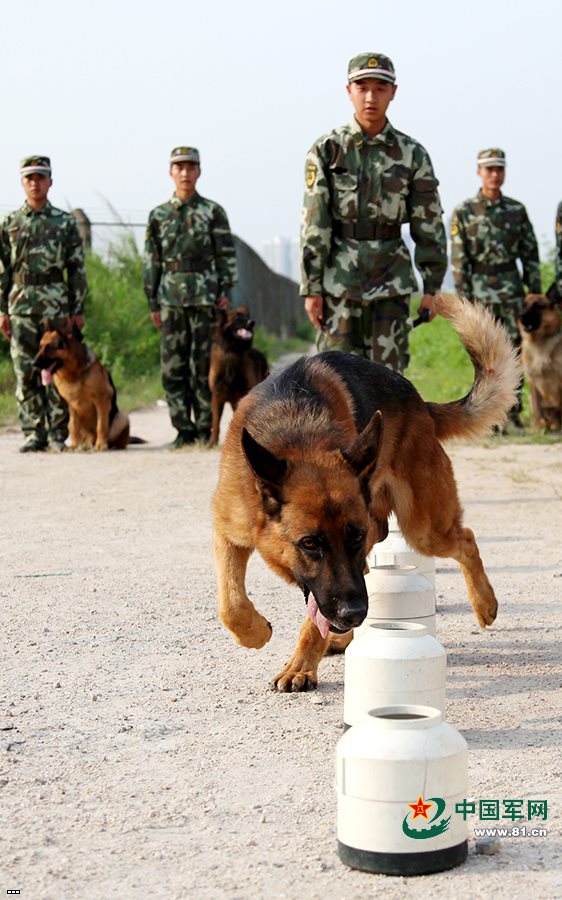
x: 108, y: 88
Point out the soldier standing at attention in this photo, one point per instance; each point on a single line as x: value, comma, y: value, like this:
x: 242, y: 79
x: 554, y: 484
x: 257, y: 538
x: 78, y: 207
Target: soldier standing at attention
x: 38, y: 245
x: 488, y: 234
x: 363, y: 181
x: 189, y: 268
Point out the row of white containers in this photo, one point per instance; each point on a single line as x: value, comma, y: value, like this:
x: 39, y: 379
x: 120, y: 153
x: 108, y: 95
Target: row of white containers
x: 397, y: 748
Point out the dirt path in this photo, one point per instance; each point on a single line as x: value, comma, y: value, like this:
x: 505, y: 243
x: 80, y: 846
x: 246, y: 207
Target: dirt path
x: 142, y: 753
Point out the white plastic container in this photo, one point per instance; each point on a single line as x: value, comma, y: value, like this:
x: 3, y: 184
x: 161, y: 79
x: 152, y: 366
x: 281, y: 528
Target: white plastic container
x: 395, y: 551
x: 395, y: 758
x: 393, y: 663
x: 399, y: 593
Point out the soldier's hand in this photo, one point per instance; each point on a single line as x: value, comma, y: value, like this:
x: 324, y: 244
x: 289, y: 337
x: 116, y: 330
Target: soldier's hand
x: 427, y: 303
x: 314, y: 306
x: 78, y: 321
x: 155, y: 317
x: 223, y: 302
x: 5, y: 326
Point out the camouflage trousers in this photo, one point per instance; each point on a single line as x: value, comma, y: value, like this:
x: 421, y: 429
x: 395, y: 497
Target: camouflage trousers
x: 42, y: 412
x: 185, y: 350
x: 375, y: 329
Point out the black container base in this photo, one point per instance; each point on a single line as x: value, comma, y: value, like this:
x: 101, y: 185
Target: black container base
x: 423, y: 863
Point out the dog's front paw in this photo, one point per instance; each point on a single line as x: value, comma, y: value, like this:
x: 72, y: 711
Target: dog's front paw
x: 291, y: 680
x: 486, y: 611
x: 101, y: 445
x: 255, y: 634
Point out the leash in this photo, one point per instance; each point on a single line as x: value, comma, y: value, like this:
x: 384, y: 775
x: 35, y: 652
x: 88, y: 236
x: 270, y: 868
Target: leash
x: 423, y: 317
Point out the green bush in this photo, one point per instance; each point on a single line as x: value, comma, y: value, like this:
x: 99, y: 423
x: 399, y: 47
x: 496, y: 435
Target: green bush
x: 118, y: 325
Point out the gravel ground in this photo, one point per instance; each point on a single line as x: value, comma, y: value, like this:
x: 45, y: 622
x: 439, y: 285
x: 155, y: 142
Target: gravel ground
x: 142, y: 752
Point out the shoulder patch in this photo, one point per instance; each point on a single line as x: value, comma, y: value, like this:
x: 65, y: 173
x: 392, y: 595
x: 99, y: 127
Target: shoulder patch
x: 454, y: 228
x: 311, y: 172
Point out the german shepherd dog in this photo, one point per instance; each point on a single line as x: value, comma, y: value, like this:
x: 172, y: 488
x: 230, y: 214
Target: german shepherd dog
x: 86, y: 386
x: 236, y: 367
x: 319, y: 455
x: 540, y: 327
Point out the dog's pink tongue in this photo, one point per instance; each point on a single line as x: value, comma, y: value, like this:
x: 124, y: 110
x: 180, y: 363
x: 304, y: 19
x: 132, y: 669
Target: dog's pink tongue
x: 244, y: 333
x: 319, y: 620
x: 46, y: 376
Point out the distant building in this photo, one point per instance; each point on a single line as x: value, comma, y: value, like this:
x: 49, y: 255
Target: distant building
x: 282, y: 255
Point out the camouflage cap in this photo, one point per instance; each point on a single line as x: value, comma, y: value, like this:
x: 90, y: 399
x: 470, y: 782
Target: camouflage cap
x: 184, y: 154
x: 35, y: 165
x: 371, y: 65
x: 492, y: 156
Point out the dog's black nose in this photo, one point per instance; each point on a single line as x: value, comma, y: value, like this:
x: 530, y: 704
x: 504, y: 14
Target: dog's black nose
x: 351, y: 615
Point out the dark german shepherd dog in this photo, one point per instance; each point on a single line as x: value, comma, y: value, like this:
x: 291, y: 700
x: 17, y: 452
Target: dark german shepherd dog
x: 94, y: 418
x: 315, y: 459
x: 236, y: 367
x: 540, y: 327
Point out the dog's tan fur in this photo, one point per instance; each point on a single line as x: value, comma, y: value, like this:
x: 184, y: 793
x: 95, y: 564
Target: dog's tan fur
x: 541, y: 357
x: 290, y: 472
x: 86, y: 387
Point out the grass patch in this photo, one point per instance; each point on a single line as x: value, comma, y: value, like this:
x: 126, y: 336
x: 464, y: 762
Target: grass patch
x: 439, y: 366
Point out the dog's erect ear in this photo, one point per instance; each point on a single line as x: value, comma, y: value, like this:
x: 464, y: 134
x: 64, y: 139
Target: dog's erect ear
x: 76, y: 333
x: 363, y: 454
x: 48, y: 325
x: 270, y: 472
x: 267, y: 467
x: 552, y: 295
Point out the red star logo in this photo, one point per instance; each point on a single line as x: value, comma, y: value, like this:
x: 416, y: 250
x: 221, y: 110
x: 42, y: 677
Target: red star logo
x: 420, y: 808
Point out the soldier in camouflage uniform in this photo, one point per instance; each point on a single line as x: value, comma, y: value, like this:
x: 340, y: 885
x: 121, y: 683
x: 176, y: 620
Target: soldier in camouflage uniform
x: 363, y: 182
x: 489, y: 233
x: 189, y: 268
x: 38, y: 245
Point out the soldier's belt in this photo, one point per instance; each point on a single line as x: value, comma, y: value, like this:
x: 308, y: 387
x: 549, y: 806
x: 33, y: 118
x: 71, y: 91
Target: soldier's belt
x: 34, y: 279
x: 186, y: 265
x: 491, y: 269
x: 366, y: 231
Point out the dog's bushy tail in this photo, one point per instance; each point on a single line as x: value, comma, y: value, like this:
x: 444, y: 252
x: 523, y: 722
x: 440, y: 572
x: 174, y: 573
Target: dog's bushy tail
x: 496, y: 367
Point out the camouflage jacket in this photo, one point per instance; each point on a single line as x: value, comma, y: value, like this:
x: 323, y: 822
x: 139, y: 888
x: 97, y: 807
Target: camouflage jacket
x: 559, y: 249
x: 486, y: 239
x: 36, y: 249
x: 383, y: 181
x: 189, y: 254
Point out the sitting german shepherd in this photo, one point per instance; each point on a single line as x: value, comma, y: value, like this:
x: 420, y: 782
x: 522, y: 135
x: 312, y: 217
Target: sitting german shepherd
x: 236, y: 367
x: 86, y: 386
x: 315, y: 460
x: 540, y: 327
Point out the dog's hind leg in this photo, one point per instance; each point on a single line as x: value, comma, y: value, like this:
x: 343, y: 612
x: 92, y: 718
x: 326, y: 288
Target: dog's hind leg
x: 238, y: 614
x: 118, y: 437
x: 430, y: 517
x: 301, y: 671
